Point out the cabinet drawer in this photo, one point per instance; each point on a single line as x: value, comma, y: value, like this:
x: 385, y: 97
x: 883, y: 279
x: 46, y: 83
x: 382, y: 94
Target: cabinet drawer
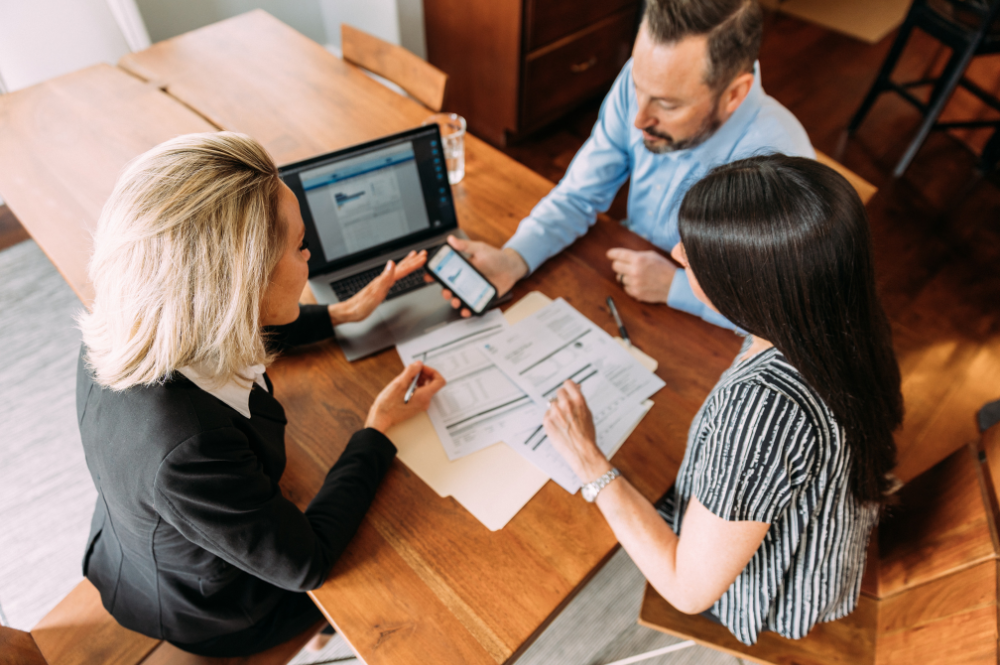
x: 549, y: 20
x: 560, y: 76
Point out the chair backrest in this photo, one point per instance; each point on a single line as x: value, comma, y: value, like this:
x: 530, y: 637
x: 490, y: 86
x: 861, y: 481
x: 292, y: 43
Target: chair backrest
x: 865, y: 189
x: 969, y: 16
x: 18, y: 648
x: 935, y: 599
x: 849, y: 641
x: 425, y: 82
x: 79, y: 631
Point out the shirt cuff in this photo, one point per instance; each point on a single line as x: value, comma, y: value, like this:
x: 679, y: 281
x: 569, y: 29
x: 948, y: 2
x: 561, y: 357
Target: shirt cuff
x: 683, y: 298
x: 530, y: 244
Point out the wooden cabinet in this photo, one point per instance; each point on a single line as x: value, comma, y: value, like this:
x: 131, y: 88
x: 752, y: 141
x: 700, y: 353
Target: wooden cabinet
x: 515, y: 65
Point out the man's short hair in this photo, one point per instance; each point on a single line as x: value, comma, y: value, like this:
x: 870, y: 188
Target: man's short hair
x: 733, y: 28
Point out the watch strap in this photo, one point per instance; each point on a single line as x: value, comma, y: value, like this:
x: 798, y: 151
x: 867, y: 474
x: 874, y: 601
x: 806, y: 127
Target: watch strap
x: 593, y: 488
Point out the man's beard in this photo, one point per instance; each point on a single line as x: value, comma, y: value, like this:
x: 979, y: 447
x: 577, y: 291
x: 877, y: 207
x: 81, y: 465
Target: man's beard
x: 667, y: 143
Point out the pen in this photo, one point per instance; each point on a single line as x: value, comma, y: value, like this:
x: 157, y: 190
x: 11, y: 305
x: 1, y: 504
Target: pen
x: 412, y: 389
x: 618, y: 321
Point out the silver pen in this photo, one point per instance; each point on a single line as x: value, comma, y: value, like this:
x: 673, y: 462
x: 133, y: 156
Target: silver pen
x: 618, y: 321
x: 412, y: 389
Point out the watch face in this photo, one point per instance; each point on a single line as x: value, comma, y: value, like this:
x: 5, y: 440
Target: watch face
x: 589, y: 492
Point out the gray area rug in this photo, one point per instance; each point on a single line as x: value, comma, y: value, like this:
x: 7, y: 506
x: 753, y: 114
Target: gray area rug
x: 599, y: 626
x: 47, y: 497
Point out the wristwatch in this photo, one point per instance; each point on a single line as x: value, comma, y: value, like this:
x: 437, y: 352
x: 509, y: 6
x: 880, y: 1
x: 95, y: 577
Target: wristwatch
x: 592, y: 489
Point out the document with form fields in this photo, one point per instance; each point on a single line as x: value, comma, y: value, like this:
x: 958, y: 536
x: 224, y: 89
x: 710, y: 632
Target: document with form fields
x: 479, y: 406
x: 496, y: 482
x: 558, y: 343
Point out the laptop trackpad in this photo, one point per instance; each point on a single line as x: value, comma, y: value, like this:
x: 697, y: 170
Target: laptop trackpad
x: 395, y: 321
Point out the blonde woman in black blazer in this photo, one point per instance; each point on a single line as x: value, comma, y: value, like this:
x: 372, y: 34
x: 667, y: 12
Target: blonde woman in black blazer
x: 198, y: 263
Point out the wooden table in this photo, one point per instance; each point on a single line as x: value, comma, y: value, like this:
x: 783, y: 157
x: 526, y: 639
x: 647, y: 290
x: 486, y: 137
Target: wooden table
x: 423, y: 581
x: 62, y: 145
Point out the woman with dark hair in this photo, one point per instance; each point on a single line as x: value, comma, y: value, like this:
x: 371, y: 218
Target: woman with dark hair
x: 787, y: 462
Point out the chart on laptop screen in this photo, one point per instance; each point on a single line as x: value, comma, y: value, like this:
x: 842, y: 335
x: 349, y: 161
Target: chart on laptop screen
x: 366, y: 200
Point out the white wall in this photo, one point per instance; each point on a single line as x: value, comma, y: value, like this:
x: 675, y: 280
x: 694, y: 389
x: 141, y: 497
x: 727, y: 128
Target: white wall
x: 378, y: 17
x: 397, y: 21
x: 168, y: 18
x: 40, y: 39
x: 411, y: 26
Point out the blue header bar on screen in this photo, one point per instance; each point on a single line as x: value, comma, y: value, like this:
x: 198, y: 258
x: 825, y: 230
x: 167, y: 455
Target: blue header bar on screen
x: 354, y: 170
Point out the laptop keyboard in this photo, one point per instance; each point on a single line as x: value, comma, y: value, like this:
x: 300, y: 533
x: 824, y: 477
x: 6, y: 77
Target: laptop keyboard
x: 347, y: 287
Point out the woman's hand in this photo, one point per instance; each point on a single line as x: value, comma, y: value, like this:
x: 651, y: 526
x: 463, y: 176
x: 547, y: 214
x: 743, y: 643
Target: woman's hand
x: 364, y: 302
x: 389, y: 408
x: 570, y: 427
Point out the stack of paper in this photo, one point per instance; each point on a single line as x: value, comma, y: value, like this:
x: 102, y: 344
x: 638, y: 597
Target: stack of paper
x: 479, y: 405
x: 556, y: 344
x: 454, y: 447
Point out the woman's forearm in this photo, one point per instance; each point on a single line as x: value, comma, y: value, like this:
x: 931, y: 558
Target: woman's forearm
x: 651, y: 544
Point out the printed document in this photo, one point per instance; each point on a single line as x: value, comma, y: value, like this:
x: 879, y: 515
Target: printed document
x: 558, y: 343
x: 479, y: 406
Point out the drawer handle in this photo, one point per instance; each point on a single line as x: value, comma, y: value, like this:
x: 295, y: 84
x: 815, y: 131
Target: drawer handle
x: 581, y: 67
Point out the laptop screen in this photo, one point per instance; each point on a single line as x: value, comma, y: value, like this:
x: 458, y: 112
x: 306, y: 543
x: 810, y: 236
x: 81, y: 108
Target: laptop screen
x: 370, y: 199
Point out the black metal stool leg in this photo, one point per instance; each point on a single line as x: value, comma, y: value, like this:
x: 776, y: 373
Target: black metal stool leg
x: 991, y: 153
x: 885, y: 73
x: 950, y: 77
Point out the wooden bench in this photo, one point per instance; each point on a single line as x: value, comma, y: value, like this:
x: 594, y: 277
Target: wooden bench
x: 930, y: 590
x: 79, y: 631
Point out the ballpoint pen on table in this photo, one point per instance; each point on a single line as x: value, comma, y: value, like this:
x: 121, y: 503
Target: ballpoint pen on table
x: 618, y: 321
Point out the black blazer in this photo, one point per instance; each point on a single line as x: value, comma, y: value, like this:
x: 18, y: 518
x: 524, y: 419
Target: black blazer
x: 191, y: 538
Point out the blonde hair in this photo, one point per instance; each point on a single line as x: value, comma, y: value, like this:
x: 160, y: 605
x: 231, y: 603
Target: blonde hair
x: 183, y: 254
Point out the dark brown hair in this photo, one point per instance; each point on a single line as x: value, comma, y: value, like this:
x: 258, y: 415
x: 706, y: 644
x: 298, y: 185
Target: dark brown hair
x: 782, y: 248
x: 733, y: 27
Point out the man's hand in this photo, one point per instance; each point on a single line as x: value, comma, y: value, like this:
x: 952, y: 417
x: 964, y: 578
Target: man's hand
x: 502, y: 267
x: 359, y: 306
x: 646, y: 276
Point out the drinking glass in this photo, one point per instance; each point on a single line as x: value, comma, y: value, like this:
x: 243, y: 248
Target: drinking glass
x: 453, y: 139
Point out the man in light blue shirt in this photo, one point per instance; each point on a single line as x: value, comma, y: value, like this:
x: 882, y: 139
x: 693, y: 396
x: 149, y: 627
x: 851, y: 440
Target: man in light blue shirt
x: 689, y: 99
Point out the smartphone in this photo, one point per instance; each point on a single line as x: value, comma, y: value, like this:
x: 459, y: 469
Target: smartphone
x: 458, y: 276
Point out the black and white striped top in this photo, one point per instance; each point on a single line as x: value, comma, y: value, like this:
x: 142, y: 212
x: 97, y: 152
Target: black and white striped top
x: 765, y: 448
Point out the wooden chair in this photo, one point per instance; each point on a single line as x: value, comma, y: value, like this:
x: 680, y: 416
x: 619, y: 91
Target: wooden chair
x: 930, y: 590
x: 18, y: 648
x: 422, y: 80
x: 865, y: 189
x: 79, y: 631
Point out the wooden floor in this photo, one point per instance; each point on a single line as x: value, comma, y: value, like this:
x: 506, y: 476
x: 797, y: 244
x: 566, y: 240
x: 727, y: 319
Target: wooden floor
x: 936, y: 231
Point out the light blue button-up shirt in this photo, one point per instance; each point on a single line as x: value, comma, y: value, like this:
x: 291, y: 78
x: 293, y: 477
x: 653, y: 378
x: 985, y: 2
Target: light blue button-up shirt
x: 615, y: 152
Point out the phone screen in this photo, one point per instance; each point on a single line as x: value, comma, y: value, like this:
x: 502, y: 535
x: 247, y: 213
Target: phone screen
x: 461, y: 278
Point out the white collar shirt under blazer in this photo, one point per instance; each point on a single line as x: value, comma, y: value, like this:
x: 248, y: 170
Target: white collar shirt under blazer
x: 234, y: 393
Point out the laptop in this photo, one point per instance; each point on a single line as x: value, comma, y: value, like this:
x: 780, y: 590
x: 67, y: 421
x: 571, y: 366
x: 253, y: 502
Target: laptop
x: 365, y: 205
